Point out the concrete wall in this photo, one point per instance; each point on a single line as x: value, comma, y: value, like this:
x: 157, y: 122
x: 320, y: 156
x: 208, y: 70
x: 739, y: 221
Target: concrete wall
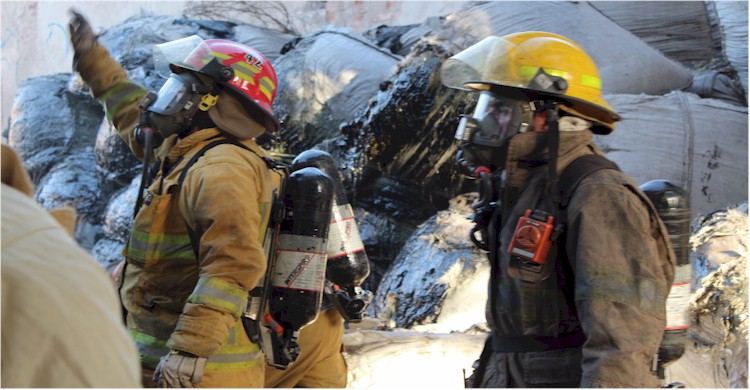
x: 35, y: 33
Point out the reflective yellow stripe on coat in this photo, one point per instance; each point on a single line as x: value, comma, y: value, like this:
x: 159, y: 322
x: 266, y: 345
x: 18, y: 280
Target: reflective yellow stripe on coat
x: 146, y: 245
x: 236, y: 352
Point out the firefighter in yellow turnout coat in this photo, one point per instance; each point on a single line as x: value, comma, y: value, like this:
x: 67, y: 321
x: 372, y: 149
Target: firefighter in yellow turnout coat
x: 184, y: 295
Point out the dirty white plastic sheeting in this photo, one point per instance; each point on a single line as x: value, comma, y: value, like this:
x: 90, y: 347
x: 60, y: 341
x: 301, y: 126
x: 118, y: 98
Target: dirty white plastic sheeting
x: 733, y: 16
x: 679, y: 29
x: 268, y: 42
x: 698, y: 144
x: 334, y: 68
x: 406, y: 359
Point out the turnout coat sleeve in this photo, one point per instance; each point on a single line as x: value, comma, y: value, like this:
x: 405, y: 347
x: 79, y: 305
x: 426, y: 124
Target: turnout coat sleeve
x: 118, y: 95
x: 624, y: 269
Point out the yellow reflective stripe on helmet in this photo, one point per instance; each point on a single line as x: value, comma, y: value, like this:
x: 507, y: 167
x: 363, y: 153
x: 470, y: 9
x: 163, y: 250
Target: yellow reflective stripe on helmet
x: 586, y: 80
x: 154, y: 246
x: 247, y: 66
x: 243, y: 64
x: 220, y: 295
x: 608, y: 285
x: 267, y: 86
x: 531, y: 71
x: 244, y: 76
x: 591, y: 81
x: 149, y: 347
x: 123, y: 93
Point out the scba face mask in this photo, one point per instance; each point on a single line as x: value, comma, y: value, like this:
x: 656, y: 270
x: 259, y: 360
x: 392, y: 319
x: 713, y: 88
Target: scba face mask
x: 172, y: 109
x: 485, y: 134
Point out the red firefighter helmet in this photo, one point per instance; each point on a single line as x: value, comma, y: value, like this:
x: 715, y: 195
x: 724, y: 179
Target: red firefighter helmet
x: 246, y: 72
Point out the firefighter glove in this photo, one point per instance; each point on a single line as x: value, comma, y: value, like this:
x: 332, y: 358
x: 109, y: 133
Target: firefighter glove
x: 179, y: 369
x: 81, y: 36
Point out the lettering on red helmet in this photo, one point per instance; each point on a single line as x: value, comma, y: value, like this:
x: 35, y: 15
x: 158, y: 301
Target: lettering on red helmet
x: 255, y: 62
x: 243, y: 84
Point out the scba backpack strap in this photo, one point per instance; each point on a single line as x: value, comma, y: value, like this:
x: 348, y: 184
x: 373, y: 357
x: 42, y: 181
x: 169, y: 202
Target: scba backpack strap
x: 574, y: 173
x: 534, y: 260
x: 270, y: 163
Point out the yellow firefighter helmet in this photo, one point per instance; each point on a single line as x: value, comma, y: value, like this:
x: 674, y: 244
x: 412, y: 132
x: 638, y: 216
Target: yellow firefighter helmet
x: 549, y: 64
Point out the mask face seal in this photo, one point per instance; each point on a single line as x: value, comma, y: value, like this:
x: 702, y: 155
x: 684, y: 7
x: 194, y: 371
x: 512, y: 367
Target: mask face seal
x: 173, y: 96
x: 485, y: 134
x: 175, y: 105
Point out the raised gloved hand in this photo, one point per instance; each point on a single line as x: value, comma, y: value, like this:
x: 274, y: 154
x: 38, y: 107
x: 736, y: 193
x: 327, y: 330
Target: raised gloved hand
x: 81, y: 35
x: 179, y: 369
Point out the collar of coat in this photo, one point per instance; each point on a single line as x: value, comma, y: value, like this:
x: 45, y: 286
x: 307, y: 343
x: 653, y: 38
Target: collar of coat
x: 185, y: 145
x: 529, y: 147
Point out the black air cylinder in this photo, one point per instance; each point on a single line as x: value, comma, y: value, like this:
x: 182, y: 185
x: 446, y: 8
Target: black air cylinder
x: 299, y: 275
x: 672, y: 205
x: 348, y: 265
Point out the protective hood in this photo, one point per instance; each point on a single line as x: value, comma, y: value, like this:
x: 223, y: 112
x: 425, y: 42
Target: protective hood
x: 530, y: 150
x: 229, y: 115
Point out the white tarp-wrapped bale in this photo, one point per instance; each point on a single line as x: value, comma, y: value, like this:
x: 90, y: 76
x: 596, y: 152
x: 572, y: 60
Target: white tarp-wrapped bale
x: 626, y: 63
x: 698, y: 144
x: 269, y: 42
x: 733, y: 18
x: 679, y: 29
x: 411, y: 360
x: 326, y: 79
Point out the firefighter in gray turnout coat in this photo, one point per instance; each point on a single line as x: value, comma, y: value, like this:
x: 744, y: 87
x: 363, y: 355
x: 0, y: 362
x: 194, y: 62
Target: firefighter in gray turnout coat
x: 580, y: 272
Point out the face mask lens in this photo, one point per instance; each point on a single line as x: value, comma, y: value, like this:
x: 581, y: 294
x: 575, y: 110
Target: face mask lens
x: 503, y: 113
x: 173, y: 96
x: 497, y: 118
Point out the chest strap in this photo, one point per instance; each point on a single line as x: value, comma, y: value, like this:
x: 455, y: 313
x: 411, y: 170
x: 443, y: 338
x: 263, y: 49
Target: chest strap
x: 270, y: 163
x: 537, y: 343
x: 574, y: 173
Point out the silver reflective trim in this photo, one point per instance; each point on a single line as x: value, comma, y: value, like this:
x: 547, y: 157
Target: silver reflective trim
x: 236, y: 357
